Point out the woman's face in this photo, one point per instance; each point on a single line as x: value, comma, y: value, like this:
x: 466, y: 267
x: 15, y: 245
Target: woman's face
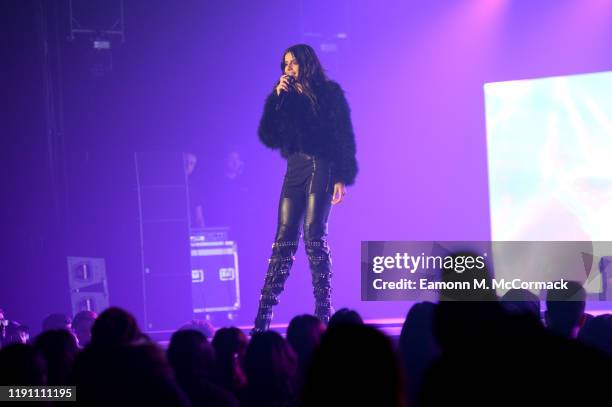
x: 291, y: 65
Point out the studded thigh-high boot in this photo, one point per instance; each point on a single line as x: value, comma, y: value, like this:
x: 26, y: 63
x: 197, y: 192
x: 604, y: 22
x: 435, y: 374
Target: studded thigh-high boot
x: 290, y: 214
x: 319, y: 254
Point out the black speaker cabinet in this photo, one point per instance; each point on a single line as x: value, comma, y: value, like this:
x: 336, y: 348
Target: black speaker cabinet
x: 163, y: 204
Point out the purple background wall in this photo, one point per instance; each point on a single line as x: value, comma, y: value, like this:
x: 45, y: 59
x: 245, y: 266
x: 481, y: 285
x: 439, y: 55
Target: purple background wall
x: 193, y: 75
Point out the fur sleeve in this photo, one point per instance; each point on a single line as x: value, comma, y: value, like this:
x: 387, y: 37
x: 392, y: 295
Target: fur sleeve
x: 270, y: 124
x: 346, y: 163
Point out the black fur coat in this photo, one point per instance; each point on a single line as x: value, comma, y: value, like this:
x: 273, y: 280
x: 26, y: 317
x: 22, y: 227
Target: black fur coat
x: 326, y: 132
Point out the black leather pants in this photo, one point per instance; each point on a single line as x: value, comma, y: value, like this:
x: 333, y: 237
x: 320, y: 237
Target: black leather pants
x: 305, y: 198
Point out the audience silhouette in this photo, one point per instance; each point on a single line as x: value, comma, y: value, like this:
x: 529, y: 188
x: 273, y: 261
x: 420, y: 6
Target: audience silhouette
x: 451, y: 352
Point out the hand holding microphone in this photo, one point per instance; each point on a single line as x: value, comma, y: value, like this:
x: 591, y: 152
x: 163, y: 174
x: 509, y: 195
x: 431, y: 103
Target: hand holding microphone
x: 285, y: 83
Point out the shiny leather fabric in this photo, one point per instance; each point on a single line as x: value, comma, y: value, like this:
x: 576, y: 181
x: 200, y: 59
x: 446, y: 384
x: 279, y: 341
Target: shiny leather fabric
x: 305, y: 202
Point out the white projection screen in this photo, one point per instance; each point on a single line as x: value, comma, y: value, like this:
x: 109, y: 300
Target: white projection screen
x: 549, y: 146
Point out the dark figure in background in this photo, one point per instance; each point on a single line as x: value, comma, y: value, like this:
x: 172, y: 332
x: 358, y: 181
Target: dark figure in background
x: 490, y: 355
x: 230, y: 346
x: 521, y: 301
x: 115, y: 327
x: 418, y: 348
x: 304, y: 335
x: 193, y: 360
x: 121, y: 366
x: 201, y: 325
x: 3, y: 324
x: 15, y: 333
x: 12, y: 331
x: 59, y: 348
x: 565, y: 310
x: 597, y: 333
x: 225, y: 176
x: 21, y: 364
x: 130, y: 375
x: 56, y: 321
x: 81, y: 326
x: 196, y: 198
x: 271, y: 368
x: 355, y: 365
x: 345, y: 316
x: 308, y: 119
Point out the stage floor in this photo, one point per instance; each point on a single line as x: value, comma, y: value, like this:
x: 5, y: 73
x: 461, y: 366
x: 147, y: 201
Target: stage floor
x: 392, y: 327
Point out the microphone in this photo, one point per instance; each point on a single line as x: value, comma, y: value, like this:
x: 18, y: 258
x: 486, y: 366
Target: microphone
x: 283, y: 94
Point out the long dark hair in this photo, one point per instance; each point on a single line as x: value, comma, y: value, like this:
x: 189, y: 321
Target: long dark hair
x: 271, y: 369
x: 311, y: 75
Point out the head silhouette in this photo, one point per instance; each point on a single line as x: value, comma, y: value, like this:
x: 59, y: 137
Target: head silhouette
x: 115, y: 327
x: 521, y: 301
x: 271, y: 369
x: 355, y: 365
x: 304, y: 335
x: 59, y: 348
x: 565, y: 309
x: 345, y: 316
x: 597, y: 333
x: 190, y: 355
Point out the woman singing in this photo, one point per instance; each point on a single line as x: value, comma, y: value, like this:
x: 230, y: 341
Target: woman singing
x: 308, y: 119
